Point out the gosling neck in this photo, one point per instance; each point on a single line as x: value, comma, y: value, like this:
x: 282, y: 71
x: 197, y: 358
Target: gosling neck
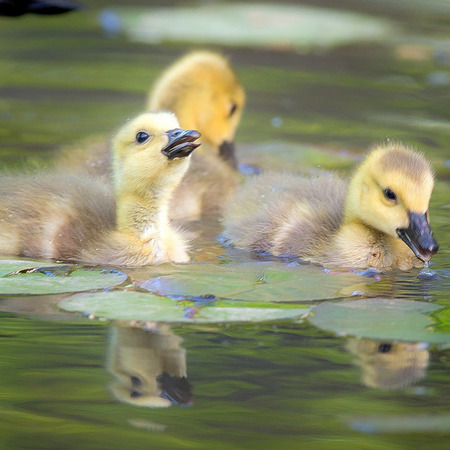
x: 143, y: 213
x: 353, y: 199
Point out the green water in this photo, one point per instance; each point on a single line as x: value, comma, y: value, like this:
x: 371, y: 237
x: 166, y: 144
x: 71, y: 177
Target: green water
x: 269, y: 385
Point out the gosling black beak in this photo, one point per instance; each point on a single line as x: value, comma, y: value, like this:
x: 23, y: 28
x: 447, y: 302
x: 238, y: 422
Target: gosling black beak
x: 227, y: 153
x: 176, y: 389
x: 419, y: 237
x: 181, y: 143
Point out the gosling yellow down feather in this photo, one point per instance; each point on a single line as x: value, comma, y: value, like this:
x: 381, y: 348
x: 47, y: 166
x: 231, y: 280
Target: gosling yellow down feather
x: 76, y: 218
x: 379, y: 219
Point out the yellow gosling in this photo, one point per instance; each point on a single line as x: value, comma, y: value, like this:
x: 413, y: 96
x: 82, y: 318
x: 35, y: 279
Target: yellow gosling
x: 379, y: 219
x: 203, y: 91
x: 81, y: 219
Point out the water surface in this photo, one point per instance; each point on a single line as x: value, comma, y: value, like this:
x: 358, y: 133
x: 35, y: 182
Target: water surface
x: 267, y: 385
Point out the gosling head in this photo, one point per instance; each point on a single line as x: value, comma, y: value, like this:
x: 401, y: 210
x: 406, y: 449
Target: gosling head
x: 205, y: 94
x: 391, y: 192
x: 151, y: 151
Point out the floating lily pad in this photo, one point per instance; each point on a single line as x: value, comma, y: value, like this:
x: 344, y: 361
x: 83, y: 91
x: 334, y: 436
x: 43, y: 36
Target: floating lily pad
x: 262, y: 281
x: 131, y: 305
x: 381, y: 319
x: 263, y: 25
x: 442, y: 319
x: 14, y: 265
x: 20, y: 277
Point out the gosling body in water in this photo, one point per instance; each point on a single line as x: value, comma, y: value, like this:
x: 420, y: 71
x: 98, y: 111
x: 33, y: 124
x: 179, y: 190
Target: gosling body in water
x: 379, y: 219
x: 81, y: 219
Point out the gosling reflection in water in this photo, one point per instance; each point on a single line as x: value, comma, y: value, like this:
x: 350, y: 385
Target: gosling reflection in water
x: 148, y: 366
x: 390, y: 365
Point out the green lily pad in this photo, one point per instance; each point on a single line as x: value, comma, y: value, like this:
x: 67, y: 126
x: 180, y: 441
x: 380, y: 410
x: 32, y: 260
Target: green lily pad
x: 381, y: 319
x: 442, y: 319
x: 131, y: 305
x: 261, y: 281
x: 14, y: 265
x: 262, y: 25
x: 21, y: 278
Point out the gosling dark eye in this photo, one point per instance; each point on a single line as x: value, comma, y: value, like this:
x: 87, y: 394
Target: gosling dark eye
x: 136, y: 381
x: 233, y: 109
x: 385, y: 348
x: 390, y: 195
x: 142, y: 137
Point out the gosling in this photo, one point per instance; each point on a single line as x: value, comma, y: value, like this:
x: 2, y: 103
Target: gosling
x: 80, y: 219
x: 378, y: 220
x: 204, y: 92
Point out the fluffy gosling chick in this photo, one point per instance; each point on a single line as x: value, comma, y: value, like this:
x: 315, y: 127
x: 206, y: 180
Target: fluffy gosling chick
x: 79, y: 219
x: 204, y: 92
x: 379, y: 219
